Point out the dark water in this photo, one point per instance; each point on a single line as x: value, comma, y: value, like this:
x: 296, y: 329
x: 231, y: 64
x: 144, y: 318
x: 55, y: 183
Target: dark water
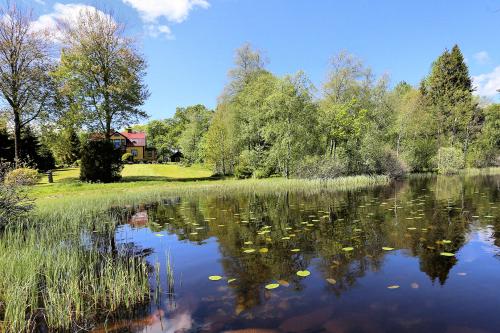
x: 346, y: 291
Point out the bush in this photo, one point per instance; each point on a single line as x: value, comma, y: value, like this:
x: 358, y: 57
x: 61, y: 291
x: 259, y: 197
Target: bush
x: 243, y: 169
x: 21, y: 177
x: 100, y: 162
x: 320, y: 167
x: 127, y: 157
x: 392, y: 166
x: 450, y: 160
x: 13, y: 200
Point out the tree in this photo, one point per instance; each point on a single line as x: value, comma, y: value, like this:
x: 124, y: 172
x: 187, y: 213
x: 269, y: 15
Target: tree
x: 25, y: 63
x: 198, y: 120
x: 343, y: 108
x: 448, y: 89
x: 101, y: 71
x: 219, y: 144
x: 290, y: 121
x: 486, y: 148
x: 248, y: 62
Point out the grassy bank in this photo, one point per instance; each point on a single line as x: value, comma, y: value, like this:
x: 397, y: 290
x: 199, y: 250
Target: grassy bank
x: 62, y: 267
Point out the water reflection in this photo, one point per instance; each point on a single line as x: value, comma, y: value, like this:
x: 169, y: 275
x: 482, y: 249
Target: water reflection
x: 255, y: 239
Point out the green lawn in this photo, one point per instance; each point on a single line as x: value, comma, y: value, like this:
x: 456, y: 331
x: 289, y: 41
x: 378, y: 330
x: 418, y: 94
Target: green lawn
x: 135, y: 176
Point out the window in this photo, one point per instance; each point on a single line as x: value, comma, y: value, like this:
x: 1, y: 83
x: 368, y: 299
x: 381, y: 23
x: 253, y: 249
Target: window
x: 117, y: 143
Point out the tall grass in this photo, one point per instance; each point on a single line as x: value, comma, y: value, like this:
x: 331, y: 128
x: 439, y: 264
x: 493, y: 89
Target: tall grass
x: 64, y: 278
x: 62, y: 268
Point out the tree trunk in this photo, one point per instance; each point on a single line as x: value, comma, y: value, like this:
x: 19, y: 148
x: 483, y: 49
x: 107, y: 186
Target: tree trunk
x: 17, y: 137
x: 107, y: 135
x: 334, y: 150
x: 398, y: 144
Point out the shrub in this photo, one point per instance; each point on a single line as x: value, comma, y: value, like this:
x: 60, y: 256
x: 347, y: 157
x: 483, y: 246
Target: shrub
x: 13, y: 200
x: 127, y: 157
x: 100, y: 162
x: 392, y: 166
x: 320, y: 167
x: 21, y: 177
x: 243, y: 169
x: 449, y: 160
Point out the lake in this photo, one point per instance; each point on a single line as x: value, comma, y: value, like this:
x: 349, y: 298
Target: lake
x: 422, y: 255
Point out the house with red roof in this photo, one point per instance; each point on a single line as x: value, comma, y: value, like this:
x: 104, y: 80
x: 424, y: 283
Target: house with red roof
x: 134, y: 143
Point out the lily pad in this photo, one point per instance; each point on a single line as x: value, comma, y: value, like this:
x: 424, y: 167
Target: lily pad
x: 303, y: 273
x: 445, y: 241
x: 272, y: 286
x: 331, y: 281
x: 394, y: 286
x: 231, y: 280
x: 249, y: 251
x: 347, y: 249
x: 214, y: 277
x: 447, y: 254
x: 295, y: 250
x: 385, y: 248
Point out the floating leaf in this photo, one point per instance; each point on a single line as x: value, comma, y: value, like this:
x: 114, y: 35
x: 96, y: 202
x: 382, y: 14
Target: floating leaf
x: 385, y: 248
x: 395, y: 286
x: 159, y: 235
x: 447, y: 254
x: 272, y: 286
x: 303, y: 273
x: 347, y: 249
x: 331, y: 281
x: 285, y: 238
x: 248, y: 243
x: 264, y: 250
x: 214, y: 277
x: 231, y: 280
x: 411, y: 228
x: 284, y: 283
x: 445, y: 241
x: 249, y: 251
x: 295, y: 250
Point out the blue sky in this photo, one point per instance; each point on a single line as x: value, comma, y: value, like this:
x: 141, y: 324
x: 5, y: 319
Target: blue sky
x: 189, y: 44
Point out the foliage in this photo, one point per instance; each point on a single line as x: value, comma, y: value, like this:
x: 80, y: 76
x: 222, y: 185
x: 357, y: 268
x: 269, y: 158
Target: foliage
x: 100, y: 162
x: 290, y: 122
x: 485, y: 150
x: 318, y: 167
x: 127, y: 157
x: 450, y: 160
x: 219, y: 144
x: 14, y: 203
x: 25, y: 62
x: 101, y: 73
x: 21, y: 177
x: 197, y: 122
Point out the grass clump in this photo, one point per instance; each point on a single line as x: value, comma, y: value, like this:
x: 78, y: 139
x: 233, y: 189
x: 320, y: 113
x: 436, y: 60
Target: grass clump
x: 62, y: 277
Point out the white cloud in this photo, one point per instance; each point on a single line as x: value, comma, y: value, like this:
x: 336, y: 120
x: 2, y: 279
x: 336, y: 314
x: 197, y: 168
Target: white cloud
x: 482, y: 57
x: 152, y: 11
x: 156, y: 30
x: 173, y: 10
x: 61, y: 12
x: 487, y: 84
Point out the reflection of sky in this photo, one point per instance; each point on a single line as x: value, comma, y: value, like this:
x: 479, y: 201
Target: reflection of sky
x: 468, y: 298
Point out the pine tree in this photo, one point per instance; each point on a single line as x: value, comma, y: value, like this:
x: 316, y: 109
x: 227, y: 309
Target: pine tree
x: 448, y: 92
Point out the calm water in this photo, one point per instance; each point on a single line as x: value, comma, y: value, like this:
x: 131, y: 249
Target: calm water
x: 346, y: 291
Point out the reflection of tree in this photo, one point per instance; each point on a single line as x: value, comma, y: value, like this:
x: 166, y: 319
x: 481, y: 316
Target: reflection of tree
x: 414, y: 216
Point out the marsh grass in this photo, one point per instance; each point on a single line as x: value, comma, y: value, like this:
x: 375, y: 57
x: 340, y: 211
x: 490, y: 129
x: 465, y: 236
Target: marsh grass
x: 61, y: 267
x: 54, y: 274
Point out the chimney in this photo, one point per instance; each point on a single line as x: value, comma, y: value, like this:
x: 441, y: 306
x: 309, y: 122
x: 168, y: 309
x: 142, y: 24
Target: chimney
x: 129, y: 130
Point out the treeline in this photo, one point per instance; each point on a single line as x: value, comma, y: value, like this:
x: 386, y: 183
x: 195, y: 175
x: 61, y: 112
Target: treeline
x: 265, y: 125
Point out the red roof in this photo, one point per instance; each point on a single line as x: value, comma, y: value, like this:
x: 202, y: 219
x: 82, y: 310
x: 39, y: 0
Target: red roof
x: 134, y: 135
